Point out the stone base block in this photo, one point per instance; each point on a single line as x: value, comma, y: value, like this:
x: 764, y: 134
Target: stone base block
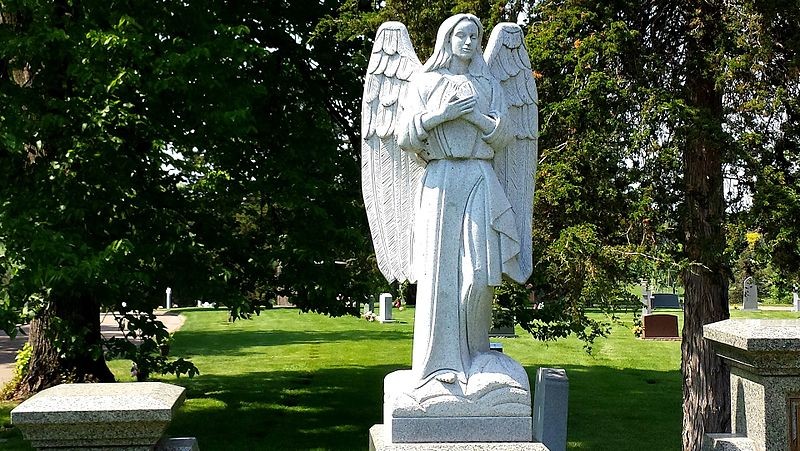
x: 460, y: 429
x: 727, y: 442
x: 177, y: 444
x: 120, y: 416
x: 378, y: 442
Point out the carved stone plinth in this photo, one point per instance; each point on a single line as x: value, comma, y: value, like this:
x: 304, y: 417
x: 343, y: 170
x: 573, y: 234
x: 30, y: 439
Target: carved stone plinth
x: 488, y: 407
x: 764, y: 356
x: 377, y: 442
x: 129, y: 416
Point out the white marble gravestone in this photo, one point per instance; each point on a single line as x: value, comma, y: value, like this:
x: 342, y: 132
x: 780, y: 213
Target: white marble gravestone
x: 795, y: 300
x: 385, y: 308
x: 449, y: 155
x: 749, y: 294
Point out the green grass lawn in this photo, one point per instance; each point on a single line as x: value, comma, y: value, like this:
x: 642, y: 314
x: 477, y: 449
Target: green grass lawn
x: 287, y: 380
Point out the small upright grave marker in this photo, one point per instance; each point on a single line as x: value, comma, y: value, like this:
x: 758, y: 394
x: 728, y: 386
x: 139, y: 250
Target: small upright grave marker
x: 665, y: 300
x: 385, y: 308
x: 750, y: 295
x: 660, y: 325
x: 169, y: 298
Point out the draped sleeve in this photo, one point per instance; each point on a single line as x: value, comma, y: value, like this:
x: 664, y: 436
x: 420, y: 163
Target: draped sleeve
x: 411, y: 135
x: 500, y: 137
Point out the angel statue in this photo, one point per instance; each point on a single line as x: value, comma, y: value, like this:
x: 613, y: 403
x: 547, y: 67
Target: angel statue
x: 449, y: 155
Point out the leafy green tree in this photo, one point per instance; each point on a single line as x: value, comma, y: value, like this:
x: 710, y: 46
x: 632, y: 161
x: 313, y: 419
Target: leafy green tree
x: 681, y: 91
x: 201, y: 146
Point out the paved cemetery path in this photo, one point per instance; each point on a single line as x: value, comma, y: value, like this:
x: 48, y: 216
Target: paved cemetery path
x: 108, y: 328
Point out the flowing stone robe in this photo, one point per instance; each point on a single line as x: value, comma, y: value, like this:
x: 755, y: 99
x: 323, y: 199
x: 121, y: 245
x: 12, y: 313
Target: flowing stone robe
x: 464, y: 236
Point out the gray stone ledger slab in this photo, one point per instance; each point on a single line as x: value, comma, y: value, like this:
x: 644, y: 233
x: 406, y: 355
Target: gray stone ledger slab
x: 764, y: 358
x: 130, y: 416
x: 377, y: 442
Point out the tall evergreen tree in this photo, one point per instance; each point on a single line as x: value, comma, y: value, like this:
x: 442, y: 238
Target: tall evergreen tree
x: 686, y: 85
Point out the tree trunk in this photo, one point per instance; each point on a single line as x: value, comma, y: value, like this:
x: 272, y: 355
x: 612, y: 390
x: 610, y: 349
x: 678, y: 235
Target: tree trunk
x: 706, y: 379
x: 66, y: 346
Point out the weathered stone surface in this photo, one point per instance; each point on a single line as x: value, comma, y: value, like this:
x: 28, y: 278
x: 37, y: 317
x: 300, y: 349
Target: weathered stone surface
x: 749, y: 294
x: 378, y: 442
x: 102, y: 416
x: 550, y: 408
x: 446, y: 214
x: 177, y: 444
x: 727, y: 442
x: 764, y: 357
x: 488, y: 407
x: 756, y: 334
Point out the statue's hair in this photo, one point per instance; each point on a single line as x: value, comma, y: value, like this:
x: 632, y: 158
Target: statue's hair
x: 443, y: 50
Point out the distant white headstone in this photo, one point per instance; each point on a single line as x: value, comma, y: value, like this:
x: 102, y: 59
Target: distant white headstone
x: 750, y: 294
x: 169, y: 298
x: 795, y: 300
x: 385, y: 308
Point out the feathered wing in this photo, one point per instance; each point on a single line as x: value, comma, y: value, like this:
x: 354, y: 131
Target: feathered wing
x: 389, y: 176
x: 515, y: 166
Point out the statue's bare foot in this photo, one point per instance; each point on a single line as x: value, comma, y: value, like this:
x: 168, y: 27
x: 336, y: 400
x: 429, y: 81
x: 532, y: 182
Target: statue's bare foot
x: 446, y: 378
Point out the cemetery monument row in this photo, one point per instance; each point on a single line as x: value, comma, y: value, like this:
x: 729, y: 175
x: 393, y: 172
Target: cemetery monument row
x: 449, y: 154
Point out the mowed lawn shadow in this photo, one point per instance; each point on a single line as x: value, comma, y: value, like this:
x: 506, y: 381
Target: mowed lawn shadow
x: 622, y: 408
x: 321, y: 409
x: 609, y: 409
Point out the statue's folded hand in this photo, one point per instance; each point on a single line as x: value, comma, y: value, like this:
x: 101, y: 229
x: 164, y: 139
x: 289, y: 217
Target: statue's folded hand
x: 484, y: 123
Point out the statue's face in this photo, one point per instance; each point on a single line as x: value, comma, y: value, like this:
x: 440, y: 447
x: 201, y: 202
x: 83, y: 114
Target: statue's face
x: 464, y: 40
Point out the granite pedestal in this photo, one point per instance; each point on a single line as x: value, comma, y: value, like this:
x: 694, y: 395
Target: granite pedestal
x: 764, y: 358
x: 377, y: 442
x: 444, y: 413
x: 118, y: 416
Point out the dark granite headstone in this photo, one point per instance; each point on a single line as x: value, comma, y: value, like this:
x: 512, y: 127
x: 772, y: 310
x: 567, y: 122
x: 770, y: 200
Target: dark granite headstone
x: 660, y: 325
x: 665, y: 300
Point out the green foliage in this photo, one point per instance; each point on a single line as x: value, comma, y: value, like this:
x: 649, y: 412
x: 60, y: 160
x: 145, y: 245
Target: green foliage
x: 146, y: 344
x: 203, y: 147
x: 22, y: 360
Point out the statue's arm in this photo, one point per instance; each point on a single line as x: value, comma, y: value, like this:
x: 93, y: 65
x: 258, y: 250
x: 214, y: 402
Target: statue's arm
x: 412, y: 135
x: 493, y: 126
x: 454, y: 109
x: 418, y: 120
